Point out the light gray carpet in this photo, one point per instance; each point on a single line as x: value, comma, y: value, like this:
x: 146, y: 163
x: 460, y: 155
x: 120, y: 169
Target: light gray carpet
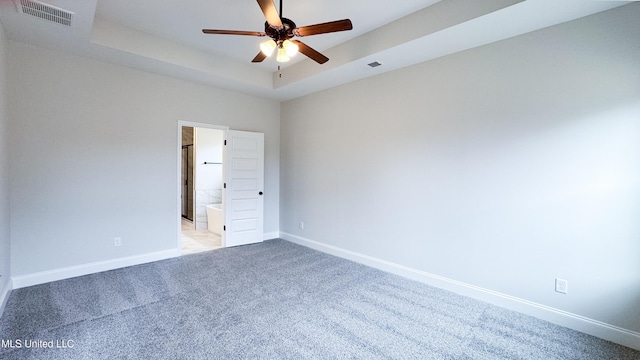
x: 275, y: 300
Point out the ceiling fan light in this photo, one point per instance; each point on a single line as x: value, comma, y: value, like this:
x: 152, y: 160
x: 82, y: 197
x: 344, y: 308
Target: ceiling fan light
x: 282, y: 55
x: 290, y: 47
x: 267, y: 47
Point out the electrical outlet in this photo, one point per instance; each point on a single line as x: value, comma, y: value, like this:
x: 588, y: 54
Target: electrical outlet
x: 562, y: 286
x: 301, y: 225
x: 117, y: 241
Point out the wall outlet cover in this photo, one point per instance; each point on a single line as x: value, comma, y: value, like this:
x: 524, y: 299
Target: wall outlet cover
x: 562, y: 285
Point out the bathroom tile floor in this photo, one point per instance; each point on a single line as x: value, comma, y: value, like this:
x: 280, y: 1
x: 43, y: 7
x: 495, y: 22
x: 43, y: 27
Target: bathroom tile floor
x: 195, y: 241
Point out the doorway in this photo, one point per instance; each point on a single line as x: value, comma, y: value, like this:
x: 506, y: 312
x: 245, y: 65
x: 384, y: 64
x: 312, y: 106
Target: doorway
x: 201, y: 187
x: 236, y: 190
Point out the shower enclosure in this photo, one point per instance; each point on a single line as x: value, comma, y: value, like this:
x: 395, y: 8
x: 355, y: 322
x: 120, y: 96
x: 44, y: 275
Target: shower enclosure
x: 187, y: 174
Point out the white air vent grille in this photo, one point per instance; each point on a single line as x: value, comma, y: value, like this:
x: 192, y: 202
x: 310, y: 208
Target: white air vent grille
x: 45, y: 11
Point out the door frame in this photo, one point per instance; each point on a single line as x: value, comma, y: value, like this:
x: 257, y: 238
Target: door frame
x: 178, y: 208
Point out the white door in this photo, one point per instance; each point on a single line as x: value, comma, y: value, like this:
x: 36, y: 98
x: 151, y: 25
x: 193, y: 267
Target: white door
x: 244, y: 181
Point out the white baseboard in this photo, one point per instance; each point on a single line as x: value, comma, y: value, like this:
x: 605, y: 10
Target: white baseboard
x: 271, y: 235
x: 583, y: 324
x: 91, y: 268
x: 4, y: 295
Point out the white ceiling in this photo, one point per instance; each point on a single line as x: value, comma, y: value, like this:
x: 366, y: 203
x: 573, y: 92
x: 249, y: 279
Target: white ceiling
x: 165, y: 36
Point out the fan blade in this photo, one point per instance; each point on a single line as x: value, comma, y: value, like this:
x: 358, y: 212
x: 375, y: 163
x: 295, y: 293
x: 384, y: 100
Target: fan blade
x: 329, y: 27
x: 259, y: 58
x: 270, y: 13
x: 311, y: 53
x: 233, y: 32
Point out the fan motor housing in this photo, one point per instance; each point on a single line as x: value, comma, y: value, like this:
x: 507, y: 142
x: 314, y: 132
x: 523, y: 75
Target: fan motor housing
x: 280, y: 34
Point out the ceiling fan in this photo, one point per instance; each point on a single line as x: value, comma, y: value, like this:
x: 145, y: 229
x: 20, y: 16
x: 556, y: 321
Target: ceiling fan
x: 281, y: 30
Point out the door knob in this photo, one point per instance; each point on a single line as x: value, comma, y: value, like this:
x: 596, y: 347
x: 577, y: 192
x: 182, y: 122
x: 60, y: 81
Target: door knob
x: 260, y: 193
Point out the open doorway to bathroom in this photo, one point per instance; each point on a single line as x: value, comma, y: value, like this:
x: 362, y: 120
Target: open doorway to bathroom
x: 201, y: 188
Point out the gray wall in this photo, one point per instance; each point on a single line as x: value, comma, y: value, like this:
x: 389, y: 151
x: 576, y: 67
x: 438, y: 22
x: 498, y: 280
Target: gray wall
x: 4, y: 175
x: 94, y: 155
x: 502, y: 167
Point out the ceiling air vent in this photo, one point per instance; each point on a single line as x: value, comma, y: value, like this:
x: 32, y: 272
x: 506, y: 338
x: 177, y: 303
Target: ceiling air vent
x: 45, y: 11
x: 374, y: 64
